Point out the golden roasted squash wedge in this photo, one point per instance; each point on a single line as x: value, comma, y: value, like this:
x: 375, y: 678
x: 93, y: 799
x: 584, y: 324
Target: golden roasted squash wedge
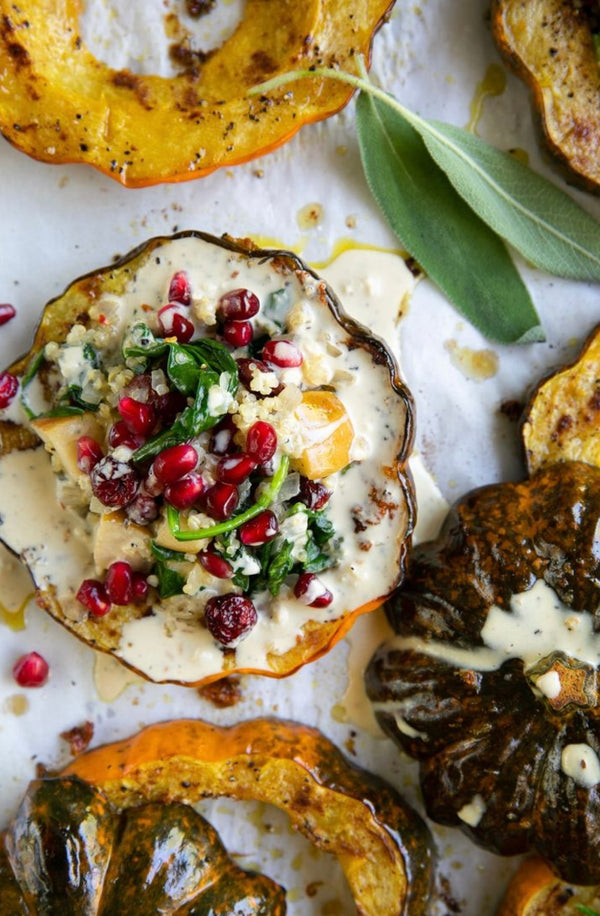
x: 383, y: 847
x: 562, y: 419
x: 549, y: 44
x: 59, y: 103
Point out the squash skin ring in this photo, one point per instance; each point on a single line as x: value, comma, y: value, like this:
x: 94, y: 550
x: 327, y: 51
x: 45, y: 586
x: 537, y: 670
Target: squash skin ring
x: 60, y: 104
x: 299, y: 770
x: 317, y: 637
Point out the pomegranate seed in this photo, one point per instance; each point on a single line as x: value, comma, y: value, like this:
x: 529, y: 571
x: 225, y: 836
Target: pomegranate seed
x: 140, y: 588
x: 179, y: 288
x: 174, y: 463
x: 93, y: 596
x: 185, y: 492
x: 215, y: 565
x: 114, y: 483
x: 238, y: 333
x: 139, y: 418
x: 229, y: 618
x: 221, y: 440
x: 310, y: 590
x: 173, y: 324
x: 247, y: 367
x: 238, y: 305
x: 9, y: 385
x: 119, y: 583
x: 169, y: 405
x: 260, y: 529
x: 313, y: 494
x: 89, y: 453
x: 142, y: 510
x: 119, y: 434
x: 282, y: 353
x: 234, y: 468
x: 261, y: 441
x: 31, y: 670
x: 6, y: 312
x: 221, y: 500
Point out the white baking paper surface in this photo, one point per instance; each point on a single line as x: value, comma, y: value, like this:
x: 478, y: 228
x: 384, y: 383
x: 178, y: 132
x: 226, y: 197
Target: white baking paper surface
x: 61, y: 221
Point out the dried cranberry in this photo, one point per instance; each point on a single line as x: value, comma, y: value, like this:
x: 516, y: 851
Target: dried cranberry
x: 260, y: 529
x: 247, y: 366
x: 238, y: 305
x: 235, y: 468
x: 179, y: 288
x: 7, y: 312
x: 174, y: 463
x: 261, y: 441
x: 93, y: 596
x: 9, y: 385
x: 238, y: 333
x: 310, y: 590
x: 119, y: 583
x: 89, y: 453
x: 185, y: 492
x: 114, y: 483
x: 313, y: 494
x: 138, y: 417
x: 282, y: 353
x: 221, y: 500
x: 215, y: 565
x: 229, y: 618
x: 31, y: 670
x: 142, y: 510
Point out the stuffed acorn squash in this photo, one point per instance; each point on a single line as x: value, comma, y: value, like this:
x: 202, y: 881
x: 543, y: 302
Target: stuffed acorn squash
x: 126, y: 840
x: 551, y: 45
x: 59, y: 103
x: 223, y: 484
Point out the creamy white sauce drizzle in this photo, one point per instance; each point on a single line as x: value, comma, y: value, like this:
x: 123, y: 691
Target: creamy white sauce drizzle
x: 581, y: 763
x: 472, y: 812
x: 537, y: 625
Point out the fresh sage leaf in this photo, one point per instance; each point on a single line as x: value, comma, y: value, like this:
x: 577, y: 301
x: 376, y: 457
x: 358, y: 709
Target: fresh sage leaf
x: 543, y: 223
x: 539, y: 219
x: 459, y: 252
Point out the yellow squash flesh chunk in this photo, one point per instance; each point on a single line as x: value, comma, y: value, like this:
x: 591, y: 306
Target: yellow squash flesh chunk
x: 328, y: 432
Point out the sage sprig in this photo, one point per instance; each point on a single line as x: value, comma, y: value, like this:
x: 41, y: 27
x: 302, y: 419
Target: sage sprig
x: 454, y: 200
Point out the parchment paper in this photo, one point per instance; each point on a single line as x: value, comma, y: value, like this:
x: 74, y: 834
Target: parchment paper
x: 61, y: 221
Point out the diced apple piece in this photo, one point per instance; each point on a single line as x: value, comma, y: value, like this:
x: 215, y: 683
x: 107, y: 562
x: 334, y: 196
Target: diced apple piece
x: 60, y: 435
x: 164, y: 538
x: 118, y: 538
x: 328, y: 432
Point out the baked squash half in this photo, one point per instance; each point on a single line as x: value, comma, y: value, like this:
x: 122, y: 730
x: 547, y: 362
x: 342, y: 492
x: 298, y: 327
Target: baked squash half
x: 59, y: 103
x: 116, y: 827
x: 223, y: 485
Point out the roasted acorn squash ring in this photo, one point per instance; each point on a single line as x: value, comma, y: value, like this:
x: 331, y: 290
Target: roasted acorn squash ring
x: 384, y: 848
x: 318, y: 634
x: 59, y: 103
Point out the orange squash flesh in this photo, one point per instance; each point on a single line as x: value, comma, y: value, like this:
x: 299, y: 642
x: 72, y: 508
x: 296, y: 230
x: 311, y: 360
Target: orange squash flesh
x: 383, y: 847
x: 536, y: 891
x: 60, y: 104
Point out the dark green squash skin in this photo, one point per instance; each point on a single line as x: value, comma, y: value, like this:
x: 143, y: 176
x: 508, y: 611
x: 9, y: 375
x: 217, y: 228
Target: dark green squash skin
x: 69, y: 852
x: 488, y: 733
